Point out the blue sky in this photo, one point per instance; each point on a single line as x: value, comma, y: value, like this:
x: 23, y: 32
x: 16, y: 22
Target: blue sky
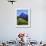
x: 20, y: 11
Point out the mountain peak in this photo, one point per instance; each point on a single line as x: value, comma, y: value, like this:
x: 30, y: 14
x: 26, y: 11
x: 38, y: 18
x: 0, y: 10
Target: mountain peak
x: 24, y: 16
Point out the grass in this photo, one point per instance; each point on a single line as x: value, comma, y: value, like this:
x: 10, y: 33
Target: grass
x: 21, y: 21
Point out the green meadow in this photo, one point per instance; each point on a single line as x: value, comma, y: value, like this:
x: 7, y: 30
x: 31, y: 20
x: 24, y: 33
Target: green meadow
x: 21, y: 21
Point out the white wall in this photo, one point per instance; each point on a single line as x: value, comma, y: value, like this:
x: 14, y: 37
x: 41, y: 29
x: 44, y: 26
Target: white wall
x: 8, y: 30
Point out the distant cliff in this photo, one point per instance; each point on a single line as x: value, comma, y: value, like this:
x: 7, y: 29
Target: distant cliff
x: 24, y: 16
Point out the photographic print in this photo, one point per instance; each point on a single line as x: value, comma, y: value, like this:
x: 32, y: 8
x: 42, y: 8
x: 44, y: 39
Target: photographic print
x: 23, y: 17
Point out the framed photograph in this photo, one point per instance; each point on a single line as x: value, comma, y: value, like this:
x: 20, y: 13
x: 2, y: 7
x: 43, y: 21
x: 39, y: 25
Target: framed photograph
x: 23, y: 17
